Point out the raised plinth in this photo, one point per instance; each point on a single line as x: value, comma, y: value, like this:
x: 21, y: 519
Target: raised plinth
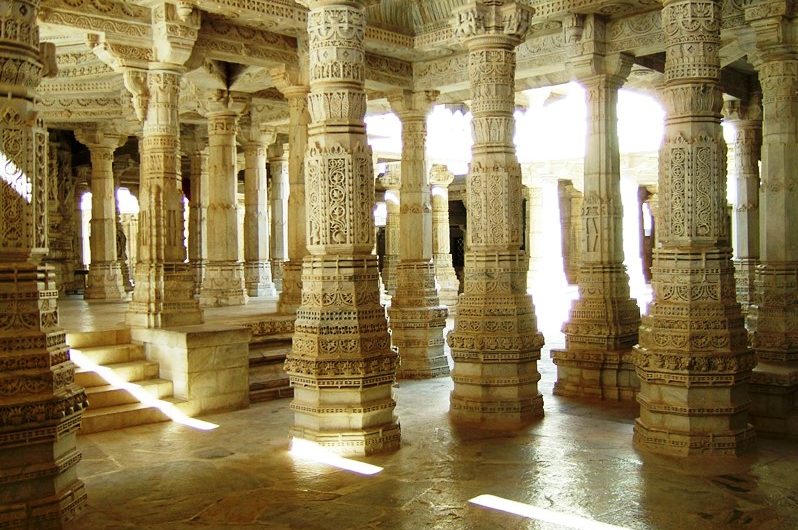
x: 597, y: 374
x: 104, y: 283
x: 258, y: 279
x: 164, y: 297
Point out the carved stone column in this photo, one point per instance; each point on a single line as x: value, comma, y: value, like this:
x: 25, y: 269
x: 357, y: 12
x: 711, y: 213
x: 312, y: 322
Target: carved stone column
x: 41, y: 407
x: 197, y: 149
x: 223, y: 281
x: 392, y: 183
x: 773, y: 317
x: 341, y: 365
x: 257, y: 268
x: 296, y: 92
x: 121, y: 238
x: 448, y: 284
x: 278, y: 196
x: 693, y: 361
x: 495, y: 343
x: 416, y: 317
x: 105, y: 276
x: 746, y: 118
x: 603, y: 322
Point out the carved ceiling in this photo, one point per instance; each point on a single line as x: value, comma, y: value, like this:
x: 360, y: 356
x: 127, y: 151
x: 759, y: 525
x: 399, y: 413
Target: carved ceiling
x: 410, y: 45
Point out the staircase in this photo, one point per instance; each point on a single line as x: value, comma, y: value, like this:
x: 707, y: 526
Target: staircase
x: 267, y: 379
x: 117, y: 378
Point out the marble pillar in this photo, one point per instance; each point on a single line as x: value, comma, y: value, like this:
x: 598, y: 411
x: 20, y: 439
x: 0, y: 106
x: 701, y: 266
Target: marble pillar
x: 197, y: 149
x: 121, y: 238
x: 257, y: 267
x: 341, y: 365
x: 448, y: 284
x: 105, y: 276
x: 416, y: 317
x: 602, y: 324
x: 773, y: 316
x: 163, y: 295
x: 693, y: 360
x: 41, y: 406
x: 746, y: 118
x: 278, y: 197
x: 495, y: 342
x: 290, y: 82
x: 393, y: 219
x: 223, y: 281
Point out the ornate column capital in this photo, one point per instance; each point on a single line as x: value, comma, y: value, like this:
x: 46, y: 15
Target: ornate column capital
x: 225, y: 102
x: 392, y: 179
x: 440, y: 176
x: 501, y: 21
x: 101, y: 136
x: 736, y: 110
x: 409, y: 104
x: 174, y: 31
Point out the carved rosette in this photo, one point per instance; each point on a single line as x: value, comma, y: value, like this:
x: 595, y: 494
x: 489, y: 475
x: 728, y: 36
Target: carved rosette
x: 495, y: 343
x: 604, y: 319
x: 41, y: 408
x: 341, y: 365
x: 693, y: 361
x: 448, y: 283
x: 164, y: 292
x: 416, y: 317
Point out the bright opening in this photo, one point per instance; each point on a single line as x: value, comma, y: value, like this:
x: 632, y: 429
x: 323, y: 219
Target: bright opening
x: 541, y: 514
x: 175, y: 414
x: 307, y: 450
x: 16, y: 178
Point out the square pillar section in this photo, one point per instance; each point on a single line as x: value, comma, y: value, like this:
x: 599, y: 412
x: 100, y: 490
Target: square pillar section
x: 341, y: 365
x: 495, y: 343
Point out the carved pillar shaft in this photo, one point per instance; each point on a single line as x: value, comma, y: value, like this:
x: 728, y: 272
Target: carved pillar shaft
x: 198, y: 216
x: 41, y: 407
x: 602, y: 323
x: 164, y: 291
x: 393, y: 221
x: 747, y: 121
x: 278, y: 197
x: 342, y: 373
x: 693, y: 361
x: 495, y: 343
x: 291, y: 295
x: 257, y: 268
x: 105, y: 275
x: 448, y: 284
x: 417, y: 319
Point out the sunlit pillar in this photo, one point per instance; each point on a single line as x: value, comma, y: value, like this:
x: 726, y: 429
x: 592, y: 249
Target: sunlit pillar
x: 416, y: 317
x: 693, y: 360
x: 603, y: 322
x: 495, y: 343
x: 41, y: 406
x: 448, y: 284
x: 746, y: 118
x: 105, y: 276
x: 197, y: 149
x: 278, y: 198
x: 341, y: 366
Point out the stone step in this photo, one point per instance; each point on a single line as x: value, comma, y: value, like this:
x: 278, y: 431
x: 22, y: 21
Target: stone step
x: 267, y: 379
x: 120, y: 416
x: 110, y: 396
x: 89, y: 339
x: 271, y: 353
x: 113, y: 354
x: 129, y: 371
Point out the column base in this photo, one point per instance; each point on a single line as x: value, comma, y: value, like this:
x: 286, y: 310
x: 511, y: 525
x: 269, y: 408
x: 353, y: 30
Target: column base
x: 495, y: 345
x: 448, y: 284
x: 291, y: 295
x: 198, y: 268
x: 277, y: 273
x: 341, y: 366
x: 105, y: 283
x: 595, y: 374
x: 163, y: 297
x: 774, y: 398
x: 389, y: 264
x: 675, y: 443
x: 258, y: 279
x: 39, y: 418
x: 223, y: 284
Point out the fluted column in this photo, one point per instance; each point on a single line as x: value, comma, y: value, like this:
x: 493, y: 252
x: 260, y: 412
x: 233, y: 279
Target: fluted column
x: 278, y: 198
x: 448, y: 284
x: 495, y: 343
x: 105, y: 275
x: 746, y: 118
x: 693, y: 361
x: 41, y: 407
x: 416, y: 317
x: 197, y: 150
x: 392, y: 183
x: 341, y: 365
x: 257, y: 267
x: 603, y: 322
x: 296, y: 93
